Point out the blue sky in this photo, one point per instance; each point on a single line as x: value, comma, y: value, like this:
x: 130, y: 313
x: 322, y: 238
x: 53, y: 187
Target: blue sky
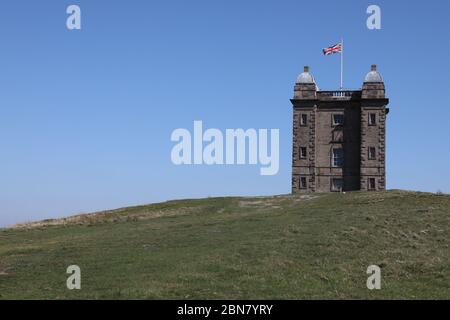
x: 86, y: 116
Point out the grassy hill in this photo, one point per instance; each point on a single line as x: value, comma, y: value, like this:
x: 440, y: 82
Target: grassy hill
x: 286, y: 247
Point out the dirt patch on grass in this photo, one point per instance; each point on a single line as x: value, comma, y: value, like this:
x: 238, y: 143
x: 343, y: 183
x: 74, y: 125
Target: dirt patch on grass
x: 111, y: 216
x: 4, y: 271
x: 274, y: 202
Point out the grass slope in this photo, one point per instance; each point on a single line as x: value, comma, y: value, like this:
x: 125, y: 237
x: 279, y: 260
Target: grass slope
x: 287, y: 247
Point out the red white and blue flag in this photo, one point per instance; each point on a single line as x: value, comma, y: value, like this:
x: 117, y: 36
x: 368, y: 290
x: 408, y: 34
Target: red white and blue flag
x: 337, y: 48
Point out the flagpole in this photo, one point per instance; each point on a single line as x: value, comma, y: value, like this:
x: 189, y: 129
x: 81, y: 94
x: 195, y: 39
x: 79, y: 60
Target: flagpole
x: 342, y: 64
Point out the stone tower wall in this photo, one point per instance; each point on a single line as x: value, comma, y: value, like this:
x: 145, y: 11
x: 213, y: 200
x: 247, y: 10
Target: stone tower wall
x: 357, y: 137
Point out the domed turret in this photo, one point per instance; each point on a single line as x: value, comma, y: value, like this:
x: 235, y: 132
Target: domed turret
x: 305, y: 86
x: 373, y: 75
x: 305, y: 77
x: 373, y: 87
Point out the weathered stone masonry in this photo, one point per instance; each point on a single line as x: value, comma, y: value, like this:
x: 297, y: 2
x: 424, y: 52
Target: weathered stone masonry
x: 339, y: 137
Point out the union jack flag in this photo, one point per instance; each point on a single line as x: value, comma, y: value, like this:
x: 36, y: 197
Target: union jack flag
x: 337, y: 48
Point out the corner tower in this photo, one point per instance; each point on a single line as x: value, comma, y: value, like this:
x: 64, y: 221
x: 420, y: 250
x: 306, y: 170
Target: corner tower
x: 339, y: 136
x: 373, y: 132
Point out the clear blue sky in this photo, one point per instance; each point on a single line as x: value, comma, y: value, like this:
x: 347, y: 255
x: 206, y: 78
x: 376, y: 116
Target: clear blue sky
x: 86, y: 116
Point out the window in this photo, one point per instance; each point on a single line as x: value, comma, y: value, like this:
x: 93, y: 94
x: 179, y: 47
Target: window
x: 303, y: 120
x: 372, y: 184
x: 303, y: 154
x: 372, y: 119
x: 338, y: 119
x: 338, y: 158
x: 337, y: 185
x: 303, y: 184
x: 372, y: 153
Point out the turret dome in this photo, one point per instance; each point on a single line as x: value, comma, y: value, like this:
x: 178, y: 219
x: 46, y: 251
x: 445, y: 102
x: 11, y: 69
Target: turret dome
x: 305, y: 77
x: 373, y: 75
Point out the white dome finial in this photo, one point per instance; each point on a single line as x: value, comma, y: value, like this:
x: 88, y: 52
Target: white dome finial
x: 373, y: 75
x: 305, y: 77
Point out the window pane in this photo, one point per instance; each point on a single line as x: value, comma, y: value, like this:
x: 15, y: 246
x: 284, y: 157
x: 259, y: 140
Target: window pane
x: 338, y: 157
x: 303, y: 152
x: 337, y: 185
x: 303, y: 119
x: 338, y: 119
x: 372, y: 184
x: 303, y: 183
x: 372, y: 153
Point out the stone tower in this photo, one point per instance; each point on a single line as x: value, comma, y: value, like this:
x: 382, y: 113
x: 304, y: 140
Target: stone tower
x: 339, y: 137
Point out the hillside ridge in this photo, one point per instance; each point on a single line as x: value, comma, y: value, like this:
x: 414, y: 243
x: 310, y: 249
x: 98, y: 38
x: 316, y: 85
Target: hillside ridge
x: 313, y: 246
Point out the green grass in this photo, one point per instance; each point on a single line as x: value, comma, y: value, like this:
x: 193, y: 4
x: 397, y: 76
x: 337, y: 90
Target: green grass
x: 288, y: 247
